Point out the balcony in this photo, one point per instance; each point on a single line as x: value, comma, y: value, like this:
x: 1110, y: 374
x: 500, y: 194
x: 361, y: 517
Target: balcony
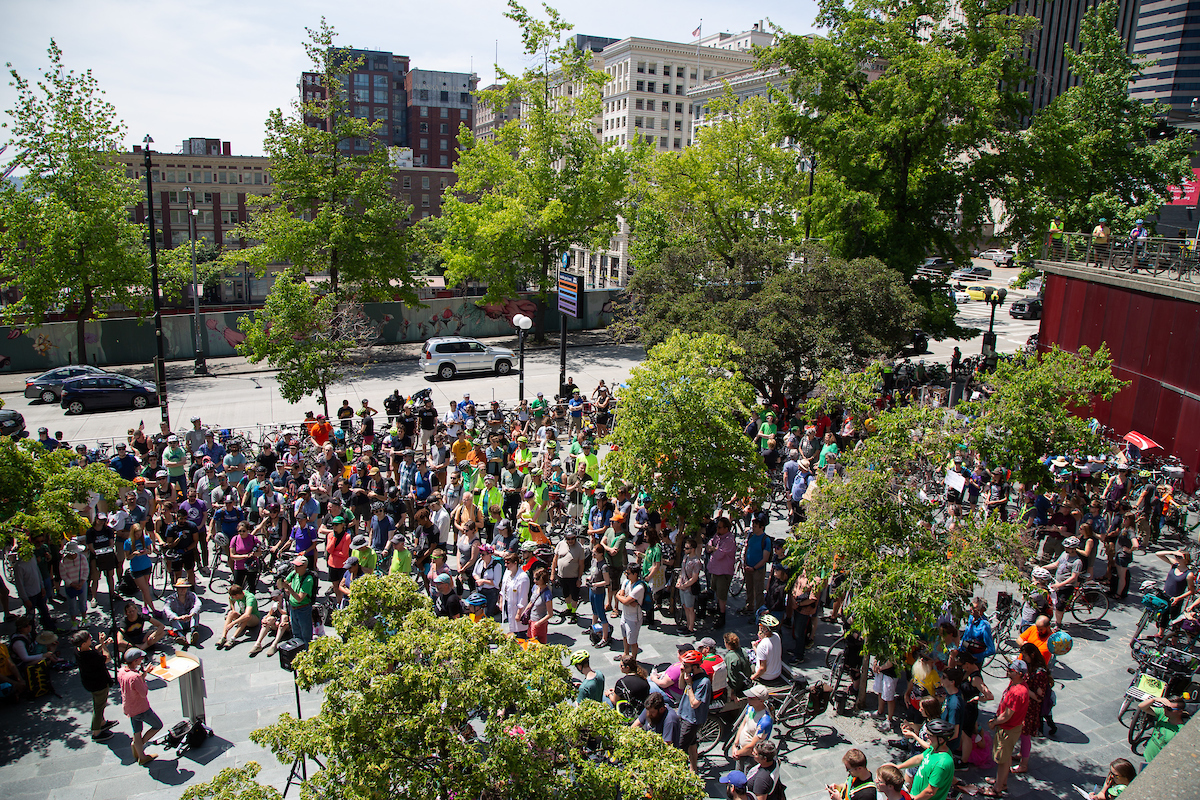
x: 1157, y: 265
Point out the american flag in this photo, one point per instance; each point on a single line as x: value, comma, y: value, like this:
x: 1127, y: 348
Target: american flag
x: 696, y: 33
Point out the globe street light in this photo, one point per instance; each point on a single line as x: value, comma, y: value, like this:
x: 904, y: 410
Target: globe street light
x: 523, y: 324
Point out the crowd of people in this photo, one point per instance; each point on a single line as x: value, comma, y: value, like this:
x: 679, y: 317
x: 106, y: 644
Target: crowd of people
x: 504, y: 514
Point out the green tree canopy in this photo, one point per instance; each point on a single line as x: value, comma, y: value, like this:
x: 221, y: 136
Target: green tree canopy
x: 38, y: 490
x: 423, y: 706
x: 66, y: 241
x: 332, y: 208
x: 1095, y: 151
x: 678, y: 434
x: 309, y: 337
x: 544, y: 182
x: 793, y: 314
x: 898, y: 101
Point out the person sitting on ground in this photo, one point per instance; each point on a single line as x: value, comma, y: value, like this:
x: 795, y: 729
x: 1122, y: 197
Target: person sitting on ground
x: 753, y: 727
x: 1039, y: 633
x: 183, y: 612
x: 1167, y: 716
x: 632, y: 687
x: 737, y: 666
x: 274, y: 622
x: 241, y: 616
x: 1120, y: 774
x: 889, y: 784
x: 132, y: 630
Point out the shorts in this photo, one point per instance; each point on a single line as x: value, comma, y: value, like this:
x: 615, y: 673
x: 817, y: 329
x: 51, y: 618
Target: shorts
x: 688, y: 597
x: 720, y: 586
x: 630, y: 626
x: 106, y: 562
x: 570, y: 588
x: 141, y: 573
x: 426, y: 436
x: 1124, y: 558
x: 1003, y: 742
x: 970, y: 722
x: 689, y: 733
x: 188, y: 561
x: 884, y: 686
x: 147, y: 717
x: 1064, y: 597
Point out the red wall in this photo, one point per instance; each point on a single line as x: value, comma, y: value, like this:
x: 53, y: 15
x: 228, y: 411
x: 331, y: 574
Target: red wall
x: 1153, y: 341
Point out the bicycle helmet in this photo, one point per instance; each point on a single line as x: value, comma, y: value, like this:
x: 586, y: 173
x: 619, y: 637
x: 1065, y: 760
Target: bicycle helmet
x: 1147, y: 586
x: 582, y: 657
x: 769, y: 620
x: 1070, y: 543
x: 376, y: 507
x: 528, y: 547
x: 940, y: 728
x: 464, y: 465
x: 691, y: 657
x: 1041, y: 574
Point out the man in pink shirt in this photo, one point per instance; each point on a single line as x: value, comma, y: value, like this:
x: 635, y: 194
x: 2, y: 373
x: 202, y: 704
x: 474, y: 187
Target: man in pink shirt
x: 136, y: 703
x: 723, y: 554
x: 1010, y: 716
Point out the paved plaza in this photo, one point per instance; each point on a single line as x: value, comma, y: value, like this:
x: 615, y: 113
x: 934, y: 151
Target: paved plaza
x: 46, y: 752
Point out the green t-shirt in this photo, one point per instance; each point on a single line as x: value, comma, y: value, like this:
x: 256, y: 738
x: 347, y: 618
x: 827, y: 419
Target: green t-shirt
x: 367, y: 559
x: 175, y: 454
x: 401, y: 562
x: 247, y: 603
x: 539, y: 407
x: 1164, y: 731
x: 936, y: 770
x: 592, y: 688
x: 768, y: 430
x: 305, y: 585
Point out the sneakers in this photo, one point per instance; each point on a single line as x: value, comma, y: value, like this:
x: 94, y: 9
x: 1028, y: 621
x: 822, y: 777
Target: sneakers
x: 102, y: 735
x: 108, y: 725
x: 194, y: 637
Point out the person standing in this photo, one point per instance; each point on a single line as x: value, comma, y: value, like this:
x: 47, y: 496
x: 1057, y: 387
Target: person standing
x: 1100, y: 238
x: 629, y: 598
x: 93, y: 674
x: 722, y: 550
x: 1056, y: 238
x: 136, y: 704
x: 514, y: 590
x: 693, y: 706
x: 567, y: 567
x: 592, y: 685
x: 299, y: 587
x: 756, y: 553
x: 1007, y: 723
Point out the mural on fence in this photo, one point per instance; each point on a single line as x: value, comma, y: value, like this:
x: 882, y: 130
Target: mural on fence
x: 114, y: 342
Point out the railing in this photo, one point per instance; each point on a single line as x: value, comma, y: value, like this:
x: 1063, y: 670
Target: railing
x: 1170, y: 259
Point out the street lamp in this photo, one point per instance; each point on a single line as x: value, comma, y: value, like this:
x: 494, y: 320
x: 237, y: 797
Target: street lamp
x: 523, y: 324
x: 201, y: 368
x: 160, y: 365
x: 993, y: 297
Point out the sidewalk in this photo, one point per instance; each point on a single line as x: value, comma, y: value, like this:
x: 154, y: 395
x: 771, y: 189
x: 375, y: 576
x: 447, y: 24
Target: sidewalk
x: 14, y: 383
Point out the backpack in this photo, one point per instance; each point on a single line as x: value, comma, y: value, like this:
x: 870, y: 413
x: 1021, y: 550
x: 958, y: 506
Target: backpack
x: 647, y: 596
x: 128, y: 586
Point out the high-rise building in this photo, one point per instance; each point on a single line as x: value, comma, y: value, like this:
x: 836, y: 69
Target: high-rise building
x: 1169, y: 33
x: 488, y: 119
x: 375, y: 90
x: 438, y: 103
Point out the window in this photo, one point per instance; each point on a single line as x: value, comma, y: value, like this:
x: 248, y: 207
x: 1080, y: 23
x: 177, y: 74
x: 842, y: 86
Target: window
x: 641, y: 86
x: 424, y: 181
x: 424, y: 111
x: 679, y: 89
x: 424, y: 144
x: 679, y: 108
x: 666, y: 107
x: 650, y: 123
x: 229, y: 198
x: 679, y: 72
x: 362, y: 95
x: 677, y: 143
x: 637, y: 122
x: 380, y: 81
x: 380, y: 95
x: 653, y: 70
x: 361, y: 144
x: 381, y: 113
x: 424, y: 160
x: 424, y: 127
x: 445, y: 111
x: 650, y: 87
x: 444, y: 97
x: 444, y: 161
x: 442, y: 183
x: 678, y: 124
x: 424, y: 201
x: 258, y: 178
x: 407, y: 182
x: 692, y: 75
x: 205, y: 218
x: 204, y: 197
x: 423, y: 95
x: 445, y: 128
x: 179, y: 216
x: 641, y: 67
x: 445, y: 145
x: 639, y: 104
x: 229, y: 218
x: 666, y: 70
x: 208, y: 177
x: 362, y: 112
x: 662, y: 141
x: 362, y: 80
x: 464, y: 97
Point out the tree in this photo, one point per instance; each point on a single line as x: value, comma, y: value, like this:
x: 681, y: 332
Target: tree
x: 1031, y: 410
x: 1095, y: 151
x: 38, y: 489
x: 793, y: 314
x: 898, y: 101
x: 876, y: 525
x: 234, y: 783
x: 309, y: 338
x: 175, y: 268
x: 464, y: 710
x: 678, y: 434
x: 66, y: 241
x: 332, y: 209
x: 544, y: 182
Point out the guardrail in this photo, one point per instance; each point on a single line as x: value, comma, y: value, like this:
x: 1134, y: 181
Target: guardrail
x: 1170, y: 259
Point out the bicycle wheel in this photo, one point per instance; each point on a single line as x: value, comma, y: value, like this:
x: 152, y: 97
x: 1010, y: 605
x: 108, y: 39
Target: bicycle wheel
x: 835, y: 651
x: 160, y: 578
x: 736, y: 583
x: 1126, y: 704
x: 1090, y: 607
x: 1147, y: 614
x: 215, y: 583
x: 836, y: 671
x: 710, y: 734
x: 1139, y: 731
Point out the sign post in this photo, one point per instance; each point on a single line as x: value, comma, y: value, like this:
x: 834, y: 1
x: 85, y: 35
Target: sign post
x: 570, y: 303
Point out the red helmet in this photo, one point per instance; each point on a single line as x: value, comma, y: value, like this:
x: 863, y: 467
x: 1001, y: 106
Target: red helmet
x: 691, y: 657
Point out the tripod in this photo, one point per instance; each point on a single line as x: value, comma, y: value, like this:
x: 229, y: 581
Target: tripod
x: 299, y: 771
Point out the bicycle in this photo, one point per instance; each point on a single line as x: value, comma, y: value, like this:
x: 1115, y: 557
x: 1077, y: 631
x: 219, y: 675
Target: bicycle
x: 1154, y: 602
x: 219, y: 545
x: 1161, y: 669
x: 1089, y: 604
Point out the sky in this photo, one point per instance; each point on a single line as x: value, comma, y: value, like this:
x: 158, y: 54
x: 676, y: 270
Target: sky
x: 215, y: 69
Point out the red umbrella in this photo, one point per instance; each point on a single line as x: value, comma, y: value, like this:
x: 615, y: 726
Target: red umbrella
x: 1139, y: 441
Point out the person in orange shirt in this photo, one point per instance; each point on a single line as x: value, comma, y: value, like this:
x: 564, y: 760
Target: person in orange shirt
x: 320, y: 430
x: 461, y: 449
x: 1039, y: 634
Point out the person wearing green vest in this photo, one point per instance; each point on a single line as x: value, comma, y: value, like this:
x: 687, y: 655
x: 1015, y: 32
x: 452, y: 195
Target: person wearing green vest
x: 540, y: 501
x: 490, y: 495
x: 401, y: 563
x: 1056, y: 237
x: 524, y: 455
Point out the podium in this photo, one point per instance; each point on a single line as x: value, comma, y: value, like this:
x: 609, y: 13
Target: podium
x: 187, y: 670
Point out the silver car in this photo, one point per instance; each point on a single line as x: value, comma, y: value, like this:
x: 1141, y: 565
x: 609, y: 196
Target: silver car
x: 447, y: 355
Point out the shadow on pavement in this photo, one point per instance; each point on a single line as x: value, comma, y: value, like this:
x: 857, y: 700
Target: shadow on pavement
x: 32, y: 726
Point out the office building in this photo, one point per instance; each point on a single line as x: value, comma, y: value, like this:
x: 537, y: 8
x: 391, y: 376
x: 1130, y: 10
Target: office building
x: 488, y: 119
x: 1169, y: 34
x: 438, y: 103
x: 376, y: 90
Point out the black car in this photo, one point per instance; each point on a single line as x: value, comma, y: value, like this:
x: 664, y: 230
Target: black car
x: 12, y: 424
x: 106, y: 391
x: 1026, y: 309
x: 47, y: 387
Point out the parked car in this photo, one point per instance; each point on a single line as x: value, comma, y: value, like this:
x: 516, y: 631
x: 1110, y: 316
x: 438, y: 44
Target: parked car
x: 12, y: 424
x: 47, y: 387
x: 960, y: 296
x: 1030, y: 308
x: 971, y: 274
x: 89, y: 392
x: 446, y: 356
x: 1001, y: 258
x: 980, y: 292
x: 935, y: 267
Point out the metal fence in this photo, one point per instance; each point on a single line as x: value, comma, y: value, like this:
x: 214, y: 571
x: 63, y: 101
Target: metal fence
x: 1170, y: 259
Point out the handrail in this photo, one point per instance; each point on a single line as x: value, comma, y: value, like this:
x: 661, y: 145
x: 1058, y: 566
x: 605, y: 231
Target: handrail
x: 1161, y: 257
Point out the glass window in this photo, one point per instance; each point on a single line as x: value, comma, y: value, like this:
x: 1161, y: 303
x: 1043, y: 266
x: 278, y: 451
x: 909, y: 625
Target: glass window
x: 444, y: 161
x: 666, y: 106
x: 445, y: 145
x: 361, y: 80
x: 362, y: 112
x: 677, y: 143
x: 653, y: 70
x: 679, y: 108
x: 380, y: 95
x: 650, y: 123
x: 424, y: 181
x: 641, y: 86
x: 423, y: 95
x: 679, y: 89
x: 444, y: 97
x: 229, y: 217
x: 641, y: 67
x: 206, y: 217
x: 650, y: 87
x: 442, y: 183
x: 445, y: 111
x: 639, y: 104
x: 464, y: 97
x: 445, y: 128
x: 381, y: 113
x: 362, y: 95
x: 424, y: 144
x: 424, y: 201
x: 424, y: 127
x: 424, y: 111
x: 229, y: 198
x: 679, y: 72
x: 407, y: 182
x: 380, y: 81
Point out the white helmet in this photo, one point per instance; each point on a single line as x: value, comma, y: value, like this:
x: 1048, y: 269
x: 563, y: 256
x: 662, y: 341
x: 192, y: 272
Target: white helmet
x: 1041, y: 574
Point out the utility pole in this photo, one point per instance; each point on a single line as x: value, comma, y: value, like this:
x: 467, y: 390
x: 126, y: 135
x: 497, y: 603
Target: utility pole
x: 160, y: 364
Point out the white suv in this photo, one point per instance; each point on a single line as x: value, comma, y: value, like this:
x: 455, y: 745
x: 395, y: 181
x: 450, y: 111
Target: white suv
x: 446, y: 355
